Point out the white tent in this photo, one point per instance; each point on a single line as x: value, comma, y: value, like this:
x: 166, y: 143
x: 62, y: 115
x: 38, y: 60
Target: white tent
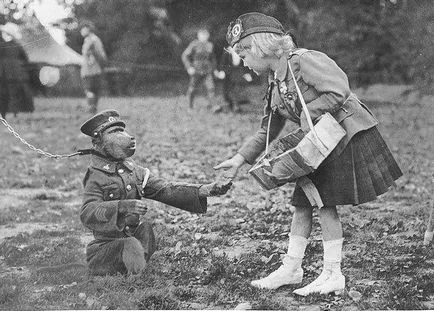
x: 41, y: 47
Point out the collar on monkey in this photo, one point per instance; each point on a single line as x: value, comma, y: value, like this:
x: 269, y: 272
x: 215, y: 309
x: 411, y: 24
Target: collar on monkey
x: 97, y: 153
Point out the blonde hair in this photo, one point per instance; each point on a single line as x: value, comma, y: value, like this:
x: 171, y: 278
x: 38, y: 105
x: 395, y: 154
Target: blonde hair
x: 267, y: 44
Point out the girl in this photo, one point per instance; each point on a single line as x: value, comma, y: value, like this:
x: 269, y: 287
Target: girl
x: 359, y: 169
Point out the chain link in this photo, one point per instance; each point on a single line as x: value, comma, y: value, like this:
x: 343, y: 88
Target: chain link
x: 33, y: 148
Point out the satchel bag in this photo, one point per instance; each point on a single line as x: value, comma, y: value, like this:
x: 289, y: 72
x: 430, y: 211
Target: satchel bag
x: 298, y: 154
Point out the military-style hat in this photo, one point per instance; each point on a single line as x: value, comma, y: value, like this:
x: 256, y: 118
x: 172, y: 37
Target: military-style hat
x: 250, y: 23
x: 100, y: 122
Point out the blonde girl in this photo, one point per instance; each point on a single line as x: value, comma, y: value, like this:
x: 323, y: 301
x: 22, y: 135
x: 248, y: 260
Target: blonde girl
x: 359, y: 169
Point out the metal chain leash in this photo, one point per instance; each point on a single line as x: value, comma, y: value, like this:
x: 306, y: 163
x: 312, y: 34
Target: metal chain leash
x: 33, y: 148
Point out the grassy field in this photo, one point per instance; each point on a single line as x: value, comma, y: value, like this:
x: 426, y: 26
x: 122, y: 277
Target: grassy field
x: 205, y: 261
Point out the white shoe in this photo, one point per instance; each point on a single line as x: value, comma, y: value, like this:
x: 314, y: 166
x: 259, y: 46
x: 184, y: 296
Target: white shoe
x: 283, y: 276
x: 312, y: 287
x: 326, y: 283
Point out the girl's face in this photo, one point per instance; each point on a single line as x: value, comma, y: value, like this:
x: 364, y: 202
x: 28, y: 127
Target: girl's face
x: 251, y: 60
x: 117, y: 143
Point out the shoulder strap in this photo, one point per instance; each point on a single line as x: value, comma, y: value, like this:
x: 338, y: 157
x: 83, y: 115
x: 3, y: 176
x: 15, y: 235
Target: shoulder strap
x: 270, y: 114
x: 298, y: 52
x: 303, y: 103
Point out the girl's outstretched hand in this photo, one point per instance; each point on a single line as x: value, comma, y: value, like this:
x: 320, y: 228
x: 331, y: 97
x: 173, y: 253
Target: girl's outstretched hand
x: 231, y: 165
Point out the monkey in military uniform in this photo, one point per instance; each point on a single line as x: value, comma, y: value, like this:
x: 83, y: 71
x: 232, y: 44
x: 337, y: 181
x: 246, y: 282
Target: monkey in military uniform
x: 113, y: 188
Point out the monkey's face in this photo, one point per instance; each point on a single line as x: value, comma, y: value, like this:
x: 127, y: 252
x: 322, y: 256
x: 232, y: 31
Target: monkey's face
x: 117, y: 143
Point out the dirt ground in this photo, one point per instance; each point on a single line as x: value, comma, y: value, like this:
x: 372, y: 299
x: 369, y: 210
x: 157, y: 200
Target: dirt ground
x: 205, y: 261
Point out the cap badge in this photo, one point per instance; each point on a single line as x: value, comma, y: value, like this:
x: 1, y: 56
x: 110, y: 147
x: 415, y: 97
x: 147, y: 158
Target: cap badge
x: 235, y: 30
x: 111, y: 119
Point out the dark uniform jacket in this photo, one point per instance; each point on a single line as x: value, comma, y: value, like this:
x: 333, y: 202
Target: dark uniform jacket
x: 14, y: 62
x: 15, y: 92
x: 108, y: 183
x: 200, y: 56
x: 325, y: 88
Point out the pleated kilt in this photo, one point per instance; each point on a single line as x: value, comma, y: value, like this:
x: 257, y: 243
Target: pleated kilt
x: 365, y: 169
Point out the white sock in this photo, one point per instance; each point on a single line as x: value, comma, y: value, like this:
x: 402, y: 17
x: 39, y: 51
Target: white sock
x: 333, y: 255
x: 296, y: 248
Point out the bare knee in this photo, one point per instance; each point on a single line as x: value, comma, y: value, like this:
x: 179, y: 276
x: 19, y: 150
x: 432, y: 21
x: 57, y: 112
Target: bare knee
x: 303, y: 213
x: 133, y: 256
x: 328, y: 213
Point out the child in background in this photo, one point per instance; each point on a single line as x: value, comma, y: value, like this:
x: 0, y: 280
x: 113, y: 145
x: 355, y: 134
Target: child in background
x: 200, y: 62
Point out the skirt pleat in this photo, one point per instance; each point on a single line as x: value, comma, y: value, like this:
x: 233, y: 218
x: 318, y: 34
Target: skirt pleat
x: 364, y: 170
x: 375, y: 175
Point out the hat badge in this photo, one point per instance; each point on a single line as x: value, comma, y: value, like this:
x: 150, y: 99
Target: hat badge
x: 236, y: 30
x: 111, y: 119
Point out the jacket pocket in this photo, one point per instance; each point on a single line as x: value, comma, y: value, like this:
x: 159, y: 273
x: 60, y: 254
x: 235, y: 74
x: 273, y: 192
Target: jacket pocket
x: 111, y: 192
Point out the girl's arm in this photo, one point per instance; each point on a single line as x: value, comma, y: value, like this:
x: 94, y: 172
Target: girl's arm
x: 322, y: 73
x: 255, y: 145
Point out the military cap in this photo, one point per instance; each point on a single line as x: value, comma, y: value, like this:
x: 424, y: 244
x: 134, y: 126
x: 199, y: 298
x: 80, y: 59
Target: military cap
x: 100, y: 122
x: 250, y: 23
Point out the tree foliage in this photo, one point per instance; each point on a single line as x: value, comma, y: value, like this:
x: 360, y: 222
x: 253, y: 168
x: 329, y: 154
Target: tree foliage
x: 372, y: 40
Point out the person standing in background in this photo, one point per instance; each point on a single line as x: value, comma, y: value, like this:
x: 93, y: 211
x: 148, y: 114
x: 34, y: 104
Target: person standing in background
x: 15, y: 92
x: 200, y: 62
x: 236, y: 78
x: 94, y: 59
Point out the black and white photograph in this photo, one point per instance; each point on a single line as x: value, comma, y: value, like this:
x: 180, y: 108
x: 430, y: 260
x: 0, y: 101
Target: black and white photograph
x: 216, y: 155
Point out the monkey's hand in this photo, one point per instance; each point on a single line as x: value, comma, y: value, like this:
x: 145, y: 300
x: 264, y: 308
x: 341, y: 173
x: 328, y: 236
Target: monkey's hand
x: 219, y: 187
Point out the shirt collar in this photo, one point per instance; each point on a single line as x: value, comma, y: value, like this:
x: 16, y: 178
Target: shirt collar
x: 129, y: 164
x: 109, y: 166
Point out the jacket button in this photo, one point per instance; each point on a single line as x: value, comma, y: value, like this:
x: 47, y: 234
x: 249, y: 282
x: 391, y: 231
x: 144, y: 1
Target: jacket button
x: 129, y: 187
x: 120, y: 171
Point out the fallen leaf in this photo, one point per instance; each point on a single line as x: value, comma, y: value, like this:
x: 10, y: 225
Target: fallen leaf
x: 355, y: 295
x: 17, y: 150
x: 243, y: 306
x: 273, y: 258
x: 177, y: 248
x: 309, y: 308
x: 90, y: 302
x: 82, y: 296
